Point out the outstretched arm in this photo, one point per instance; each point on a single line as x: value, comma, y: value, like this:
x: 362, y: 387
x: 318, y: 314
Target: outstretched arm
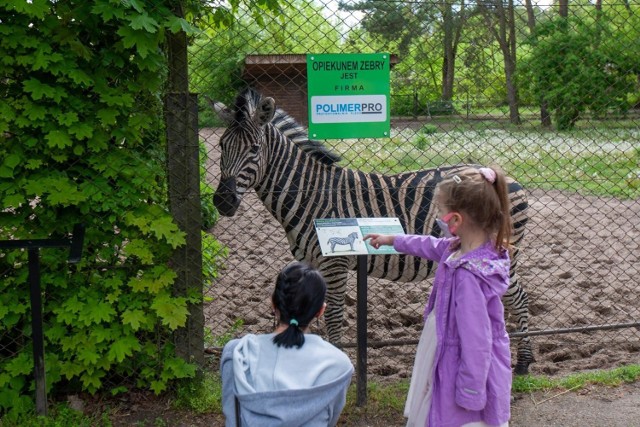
x: 377, y: 240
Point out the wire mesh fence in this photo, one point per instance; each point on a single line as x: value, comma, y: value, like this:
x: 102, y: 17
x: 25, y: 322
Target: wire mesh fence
x: 455, y: 98
x: 551, y: 94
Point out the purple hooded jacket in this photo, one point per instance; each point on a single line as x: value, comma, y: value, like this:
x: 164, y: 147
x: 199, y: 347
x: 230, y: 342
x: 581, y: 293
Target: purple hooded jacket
x: 472, y: 368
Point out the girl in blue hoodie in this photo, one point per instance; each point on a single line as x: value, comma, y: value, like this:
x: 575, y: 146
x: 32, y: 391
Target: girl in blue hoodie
x: 287, y: 378
x: 462, y: 371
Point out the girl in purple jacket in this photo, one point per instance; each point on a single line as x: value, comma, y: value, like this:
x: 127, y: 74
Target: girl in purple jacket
x: 462, y: 371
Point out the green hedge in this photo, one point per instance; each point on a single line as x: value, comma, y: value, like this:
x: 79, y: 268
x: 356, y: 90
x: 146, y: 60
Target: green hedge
x: 82, y: 140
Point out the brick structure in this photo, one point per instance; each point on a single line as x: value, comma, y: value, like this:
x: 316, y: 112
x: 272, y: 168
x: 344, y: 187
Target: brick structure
x: 284, y: 78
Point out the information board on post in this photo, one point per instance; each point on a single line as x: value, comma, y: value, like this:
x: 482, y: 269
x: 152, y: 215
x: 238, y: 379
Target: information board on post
x: 349, y: 95
x: 344, y: 236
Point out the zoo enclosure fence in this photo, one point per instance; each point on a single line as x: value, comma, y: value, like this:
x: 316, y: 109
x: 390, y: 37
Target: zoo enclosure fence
x: 581, y: 291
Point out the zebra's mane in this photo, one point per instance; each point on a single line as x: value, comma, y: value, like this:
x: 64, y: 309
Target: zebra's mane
x: 299, y: 135
x: 249, y: 100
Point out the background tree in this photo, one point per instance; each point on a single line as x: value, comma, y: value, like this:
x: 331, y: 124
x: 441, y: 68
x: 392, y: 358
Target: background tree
x: 574, y: 63
x: 501, y: 22
x: 218, y: 53
x: 409, y: 23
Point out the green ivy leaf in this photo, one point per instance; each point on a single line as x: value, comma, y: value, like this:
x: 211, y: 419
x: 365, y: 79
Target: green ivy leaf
x: 165, y: 227
x: 158, y: 386
x: 141, y: 249
x: 134, y: 4
x: 144, y: 21
x: 142, y: 40
x: 92, y: 381
x: 107, y: 11
x: 8, y: 165
x: 108, y: 116
x: 179, y: 368
x: 67, y: 119
x: 59, y: 139
x: 171, y: 310
x: 33, y: 164
x: 81, y: 130
x: 134, y: 318
x: 22, y: 364
x: 39, y: 90
x: 80, y: 77
x: 176, y: 24
x: 122, y: 348
x: 101, y: 312
x: 34, y: 8
x: 88, y: 355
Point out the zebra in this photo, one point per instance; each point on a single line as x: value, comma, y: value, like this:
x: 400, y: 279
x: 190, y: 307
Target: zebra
x: 298, y: 180
x: 333, y: 241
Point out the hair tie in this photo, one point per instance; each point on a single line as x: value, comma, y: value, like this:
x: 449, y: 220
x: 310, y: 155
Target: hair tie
x: 293, y: 322
x: 456, y: 179
x: 488, y: 174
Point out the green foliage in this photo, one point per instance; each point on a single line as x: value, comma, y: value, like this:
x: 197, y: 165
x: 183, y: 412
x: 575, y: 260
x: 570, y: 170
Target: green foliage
x: 81, y: 141
x: 59, y: 415
x: 209, y: 212
x: 218, y: 54
x: 578, y: 65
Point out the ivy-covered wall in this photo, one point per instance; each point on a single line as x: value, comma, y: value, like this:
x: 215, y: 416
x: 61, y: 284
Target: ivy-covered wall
x: 82, y: 140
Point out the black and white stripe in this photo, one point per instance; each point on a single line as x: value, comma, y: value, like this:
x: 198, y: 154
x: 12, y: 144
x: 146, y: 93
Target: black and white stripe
x: 298, y: 181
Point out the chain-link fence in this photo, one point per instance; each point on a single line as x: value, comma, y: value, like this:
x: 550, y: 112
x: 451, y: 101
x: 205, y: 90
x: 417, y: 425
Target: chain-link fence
x: 472, y: 83
x: 550, y: 93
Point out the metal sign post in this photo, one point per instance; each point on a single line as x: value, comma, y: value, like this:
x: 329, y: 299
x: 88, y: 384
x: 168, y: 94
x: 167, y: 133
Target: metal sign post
x: 343, y: 236
x: 33, y: 246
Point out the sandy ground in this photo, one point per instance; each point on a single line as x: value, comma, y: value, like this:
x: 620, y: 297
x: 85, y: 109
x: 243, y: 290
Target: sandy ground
x: 580, y: 266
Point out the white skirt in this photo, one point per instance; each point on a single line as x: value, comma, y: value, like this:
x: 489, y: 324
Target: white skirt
x: 416, y: 408
x: 419, y: 398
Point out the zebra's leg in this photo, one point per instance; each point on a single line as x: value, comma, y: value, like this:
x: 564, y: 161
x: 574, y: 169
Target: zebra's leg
x: 516, y: 300
x: 335, y: 272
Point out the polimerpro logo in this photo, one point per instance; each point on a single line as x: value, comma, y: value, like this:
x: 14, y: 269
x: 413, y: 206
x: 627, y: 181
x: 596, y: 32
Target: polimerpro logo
x: 348, y: 109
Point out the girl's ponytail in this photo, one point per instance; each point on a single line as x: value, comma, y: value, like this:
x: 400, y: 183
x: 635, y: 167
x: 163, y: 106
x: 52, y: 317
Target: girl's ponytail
x: 298, y: 297
x: 504, y: 223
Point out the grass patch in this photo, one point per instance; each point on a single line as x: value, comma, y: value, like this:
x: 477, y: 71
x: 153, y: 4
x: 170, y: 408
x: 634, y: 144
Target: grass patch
x: 602, y: 161
x: 60, y: 415
x: 385, y: 401
x: 611, y: 378
x: 200, y: 395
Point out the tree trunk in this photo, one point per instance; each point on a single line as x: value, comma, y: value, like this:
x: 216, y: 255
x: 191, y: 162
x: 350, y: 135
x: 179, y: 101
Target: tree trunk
x: 545, y: 116
x: 563, y: 8
x: 448, y: 65
x: 505, y: 35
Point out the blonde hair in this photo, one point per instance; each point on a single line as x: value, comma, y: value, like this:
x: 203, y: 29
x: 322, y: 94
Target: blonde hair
x: 484, y: 202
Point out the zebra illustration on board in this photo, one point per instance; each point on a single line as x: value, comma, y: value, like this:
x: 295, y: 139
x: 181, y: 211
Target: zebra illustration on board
x: 298, y: 180
x: 333, y: 241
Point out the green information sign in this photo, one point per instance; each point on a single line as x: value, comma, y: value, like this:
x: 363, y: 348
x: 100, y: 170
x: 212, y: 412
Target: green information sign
x: 348, y: 95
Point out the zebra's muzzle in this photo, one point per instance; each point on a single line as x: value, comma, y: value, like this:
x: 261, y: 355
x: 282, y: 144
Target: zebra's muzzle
x: 226, y: 198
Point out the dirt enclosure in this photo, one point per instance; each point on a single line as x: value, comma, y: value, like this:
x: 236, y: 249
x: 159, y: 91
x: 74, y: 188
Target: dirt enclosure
x: 580, y: 264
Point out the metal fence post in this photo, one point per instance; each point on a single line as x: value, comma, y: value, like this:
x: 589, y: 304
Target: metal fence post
x: 181, y: 120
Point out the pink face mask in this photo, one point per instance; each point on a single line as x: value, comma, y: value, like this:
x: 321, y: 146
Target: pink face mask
x: 444, y: 225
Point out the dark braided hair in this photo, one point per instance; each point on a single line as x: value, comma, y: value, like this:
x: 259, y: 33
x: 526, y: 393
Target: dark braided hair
x: 298, y: 297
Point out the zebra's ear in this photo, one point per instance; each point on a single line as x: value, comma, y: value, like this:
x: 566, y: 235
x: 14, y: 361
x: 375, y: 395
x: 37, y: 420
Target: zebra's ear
x: 266, y: 111
x: 221, y: 110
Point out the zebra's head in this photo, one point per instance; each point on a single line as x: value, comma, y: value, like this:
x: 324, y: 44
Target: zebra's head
x: 242, y: 161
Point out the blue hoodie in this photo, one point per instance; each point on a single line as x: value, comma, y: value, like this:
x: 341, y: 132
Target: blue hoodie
x: 277, y: 386
x: 472, y: 368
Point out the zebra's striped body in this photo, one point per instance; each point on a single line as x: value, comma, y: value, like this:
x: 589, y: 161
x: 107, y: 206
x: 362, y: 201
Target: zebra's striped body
x: 298, y: 181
